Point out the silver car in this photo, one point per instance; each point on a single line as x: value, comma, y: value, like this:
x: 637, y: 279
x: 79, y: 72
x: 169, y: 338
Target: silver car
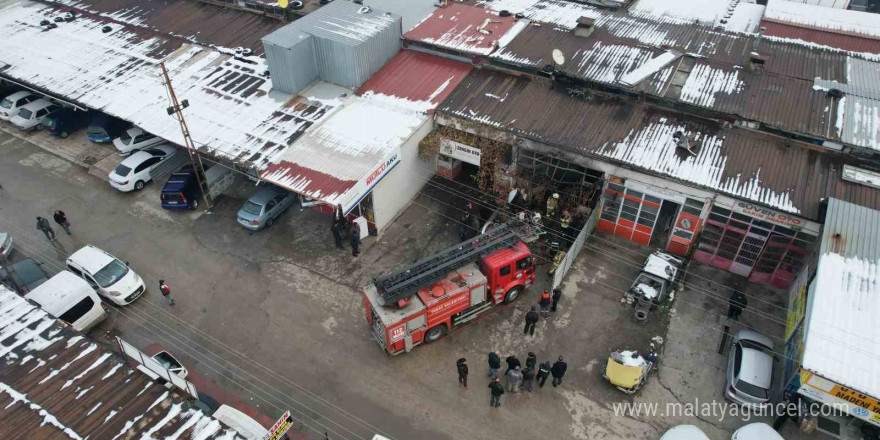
x: 6, y: 244
x: 264, y: 206
x: 749, y: 369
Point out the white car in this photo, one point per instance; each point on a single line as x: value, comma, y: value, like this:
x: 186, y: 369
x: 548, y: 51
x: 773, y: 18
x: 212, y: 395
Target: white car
x: 171, y: 364
x: 749, y: 369
x: 10, y: 105
x: 31, y: 115
x: 135, y: 171
x: 6, y: 244
x: 133, y: 140
x: 684, y: 432
x: 109, y: 276
x: 756, y: 431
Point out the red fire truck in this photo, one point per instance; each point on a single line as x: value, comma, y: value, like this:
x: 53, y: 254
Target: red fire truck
x: 420, y: 303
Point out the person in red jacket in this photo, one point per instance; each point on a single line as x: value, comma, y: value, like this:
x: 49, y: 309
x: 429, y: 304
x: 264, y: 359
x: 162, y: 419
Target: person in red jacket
x: 544, y: 302
x: 166, y: 292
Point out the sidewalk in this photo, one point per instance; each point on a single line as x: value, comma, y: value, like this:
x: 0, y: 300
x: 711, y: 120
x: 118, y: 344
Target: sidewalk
x: 75, y: 148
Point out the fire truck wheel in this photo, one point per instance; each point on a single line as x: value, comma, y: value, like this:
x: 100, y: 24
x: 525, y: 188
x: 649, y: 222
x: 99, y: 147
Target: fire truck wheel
x: 512, y: 295
x: 435, y: 333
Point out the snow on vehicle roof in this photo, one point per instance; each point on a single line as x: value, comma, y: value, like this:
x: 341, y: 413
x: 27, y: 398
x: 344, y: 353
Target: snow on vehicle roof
x: 53, y: 376
x: 661, y: 267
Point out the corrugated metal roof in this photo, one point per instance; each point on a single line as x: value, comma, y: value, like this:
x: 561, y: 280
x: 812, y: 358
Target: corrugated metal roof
x: 417, y: 76
x: 231, y: 116
x: 55, y: 381
x: 193, y: 21
x: 341, y: 21
x: 844, y: 300
x: 411, y: 11
x: 825, y: 38
x: 735, y: 161
x: 468, y: 29
x: 839, y: 21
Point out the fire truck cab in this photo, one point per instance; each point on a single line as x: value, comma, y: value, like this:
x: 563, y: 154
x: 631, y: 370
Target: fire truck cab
x: 456, y: 299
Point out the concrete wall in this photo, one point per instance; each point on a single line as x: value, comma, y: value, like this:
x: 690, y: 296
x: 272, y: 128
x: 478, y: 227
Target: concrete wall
x: 402, y: 184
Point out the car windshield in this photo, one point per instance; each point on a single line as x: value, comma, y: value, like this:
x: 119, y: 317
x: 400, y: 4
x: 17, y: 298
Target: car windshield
x: 747, y: 343
x: 252, y: 208
x: 96, y: 129
x: 125, y: 138
x: 167, y: 361
x: 6, y: 103
x: 25, y: 113
x: 122, y: 170
x: 111, y: 273
x: 752, y: 390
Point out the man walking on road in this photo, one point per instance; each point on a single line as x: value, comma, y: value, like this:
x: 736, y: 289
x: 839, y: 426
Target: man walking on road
x: 495, y: 392
x: 528, y: 378
x: 355, y: 238
x: 61, y: 218
x: 543, y: 373
x: 738, y: 302
x: 43, y: 225
x: 166, y: 292
x: 557, y: 294
x: 544, y: 302
x: 531, y: 319
x: 462, y: 372
x: 494, y: 363
x: 512, y: 362
x: 514, y: 377
x: 558, y: 371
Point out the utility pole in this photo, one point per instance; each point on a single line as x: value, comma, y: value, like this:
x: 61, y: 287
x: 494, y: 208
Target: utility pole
x: 176, y: 110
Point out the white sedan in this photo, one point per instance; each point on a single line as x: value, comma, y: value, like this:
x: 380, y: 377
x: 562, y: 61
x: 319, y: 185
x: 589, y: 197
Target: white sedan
x: 10, y: 104
x: 32, y: 114
x: 135, y: 171
x: 133, y: 140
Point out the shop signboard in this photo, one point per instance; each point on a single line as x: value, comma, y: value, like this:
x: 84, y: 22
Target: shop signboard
x: 797, y: 302
x: 768, y: 215
x: 462, y: 152
x: 280, y: 427
x: 363, y: 187
x: 835, y: 395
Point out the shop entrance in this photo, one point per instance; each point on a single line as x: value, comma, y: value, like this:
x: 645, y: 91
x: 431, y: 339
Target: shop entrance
x: 665, y: 222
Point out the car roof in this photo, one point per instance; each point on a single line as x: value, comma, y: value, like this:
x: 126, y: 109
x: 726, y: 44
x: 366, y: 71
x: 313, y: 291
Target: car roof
x: 38, y: 104
x: 264, y: 195
x: 756, y: 367
x: 3, y: 236
x: 756, y: 431
x: 19, y: 95
x: 752, y: 335
x: 167, y: 148
x: 91, y: 258
x: 53, y: 295
x: 684, y: 432
x: 134, y: 131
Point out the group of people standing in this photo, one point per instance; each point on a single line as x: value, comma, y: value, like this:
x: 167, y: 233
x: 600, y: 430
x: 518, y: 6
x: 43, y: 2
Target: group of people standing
x: 518, y: 378
x: 60, y: 218
x: 338, y: 229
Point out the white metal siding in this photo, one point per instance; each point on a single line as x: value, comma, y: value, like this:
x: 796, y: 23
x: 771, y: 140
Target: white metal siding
x: 399, y: 187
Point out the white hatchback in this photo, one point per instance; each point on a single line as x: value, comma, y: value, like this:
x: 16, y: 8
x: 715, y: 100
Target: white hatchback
x: 10, y: 104
x: 135, y: 171
x: 31, y: 115
x: 135, y: 139
x: 109, y: 276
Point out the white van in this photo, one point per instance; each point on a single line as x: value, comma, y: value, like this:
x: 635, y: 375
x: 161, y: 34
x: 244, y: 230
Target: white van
x: 109, y: 276
x: 243, y: 424
x: 70, y: 299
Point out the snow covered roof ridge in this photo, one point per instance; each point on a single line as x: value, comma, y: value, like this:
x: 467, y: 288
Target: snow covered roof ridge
x: 842, y: 21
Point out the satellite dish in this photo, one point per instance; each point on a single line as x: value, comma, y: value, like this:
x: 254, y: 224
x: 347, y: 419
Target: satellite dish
x: 282, y: 3
x: 558, y: 57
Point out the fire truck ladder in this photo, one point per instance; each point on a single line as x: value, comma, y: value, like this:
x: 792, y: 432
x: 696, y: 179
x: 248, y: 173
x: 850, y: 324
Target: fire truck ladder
x: 404, y: 282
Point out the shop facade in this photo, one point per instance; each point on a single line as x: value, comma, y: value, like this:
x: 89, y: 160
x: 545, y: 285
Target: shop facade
x: 763, y: 244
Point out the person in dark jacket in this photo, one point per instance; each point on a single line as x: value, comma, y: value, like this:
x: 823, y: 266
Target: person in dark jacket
x: 338, y: 226
x: 61, y: 218
x: 494, y: 363
x: 738, y: 302
x: 558, y: 371
x: 544, y: 302
x: 512, y: 362
x: 355, y: 238
x: 462, y: 372
x: 557, y: 294
x: 543, y: 373
x: 531, y: 360
x: 43, y: 225
x: 531, y: 319
x: 495, y: 392
x: 528, y: 378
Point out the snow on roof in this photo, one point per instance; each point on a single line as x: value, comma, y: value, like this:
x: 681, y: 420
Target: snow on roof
x: 706, y: 12
x: 339, y: 160
x: 858, y: 115
x: 417, y: 76
x: 55, y: 380
x: 649, y: 68
x: 746, y: 17
x: 844, y: 300
x: 864, y: 24
x: 232, y: 114
x: 559, y: 13
x: 411, y: 11
x: 469, y: 29
x: 706, y: 82
x: 344, y: 22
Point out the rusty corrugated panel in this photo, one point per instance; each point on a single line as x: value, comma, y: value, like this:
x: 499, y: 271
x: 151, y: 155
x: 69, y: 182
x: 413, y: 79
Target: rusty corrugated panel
x: 463, y: 28
x: 742, y: 163
x: 53, y: 379
x: 417, y: 76
x: 841, y: 41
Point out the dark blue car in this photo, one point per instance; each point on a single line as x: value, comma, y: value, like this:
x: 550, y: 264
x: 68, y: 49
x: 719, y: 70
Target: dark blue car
x: 66, y: 121
x: 104, y: 128
x: 181, y: 191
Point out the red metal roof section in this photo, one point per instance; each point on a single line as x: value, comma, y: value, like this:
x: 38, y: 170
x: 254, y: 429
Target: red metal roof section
x: 306, y: 181
x: 463, y: 28
x: 417, y: 76
x: 841, y: 41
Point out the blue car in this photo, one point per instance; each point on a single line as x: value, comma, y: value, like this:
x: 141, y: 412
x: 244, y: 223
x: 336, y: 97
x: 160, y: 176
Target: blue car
x: 264, y: 206
x: 181, y: 191
x: 104, y: 128
x: 66, y: 121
